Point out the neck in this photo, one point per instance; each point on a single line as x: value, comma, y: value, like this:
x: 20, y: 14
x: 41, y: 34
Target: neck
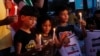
x: 63, y: 24
x: 26, y: 29
x: 45, y: 34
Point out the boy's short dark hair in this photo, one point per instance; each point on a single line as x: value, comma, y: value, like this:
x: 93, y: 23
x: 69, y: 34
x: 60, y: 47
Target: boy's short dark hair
x: 60, y: 8
x: 29, y: 11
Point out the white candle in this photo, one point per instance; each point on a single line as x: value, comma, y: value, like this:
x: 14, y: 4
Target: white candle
x: 54, y: 29
x: 40, y: 39
x: 16, y: 10
x: 80, y: 14
x: 7, y: 12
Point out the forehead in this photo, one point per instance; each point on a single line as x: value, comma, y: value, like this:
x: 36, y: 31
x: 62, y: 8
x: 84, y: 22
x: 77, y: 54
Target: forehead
x: 64, y: 11
x: 33, y: 17
x: 47, y: 22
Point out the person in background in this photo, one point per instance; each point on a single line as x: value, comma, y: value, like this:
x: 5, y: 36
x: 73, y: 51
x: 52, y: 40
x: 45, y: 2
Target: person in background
x: 24, y: 39
x: 93, y: 22
x: 5, y: 32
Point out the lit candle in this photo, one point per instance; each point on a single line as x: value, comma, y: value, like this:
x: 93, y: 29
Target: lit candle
x: 54, y: 29
x: 16, y: 10
x: 80, y: 14
x: 40, y: 39
x: 7, y: 12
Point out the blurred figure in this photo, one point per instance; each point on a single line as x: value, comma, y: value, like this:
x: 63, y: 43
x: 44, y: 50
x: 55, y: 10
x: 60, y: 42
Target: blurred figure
x: 64, y: 30
x: 73, y: 18
x: 5, y: 32
x: 45, y: 28
x: 24, y: 36
x: 94, y: 22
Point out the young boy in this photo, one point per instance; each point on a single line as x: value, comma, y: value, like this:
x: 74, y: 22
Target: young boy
x: 24, y: 38
x: 63, y: 17
x: 64, y: 29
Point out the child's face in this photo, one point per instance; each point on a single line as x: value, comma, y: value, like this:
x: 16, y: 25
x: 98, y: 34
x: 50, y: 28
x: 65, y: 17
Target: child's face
x: 46, y: 26
x: 63, y: 16
x: 29, y: 21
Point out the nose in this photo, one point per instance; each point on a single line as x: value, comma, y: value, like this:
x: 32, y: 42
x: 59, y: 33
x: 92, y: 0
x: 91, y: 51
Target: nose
x: 34, y: 22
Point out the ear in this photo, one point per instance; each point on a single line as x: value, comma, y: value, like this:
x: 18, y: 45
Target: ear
x: 22, y: 17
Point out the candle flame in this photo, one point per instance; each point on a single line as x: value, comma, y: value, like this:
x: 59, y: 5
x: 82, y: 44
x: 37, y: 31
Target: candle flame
x: 40, y: 35
x: 54, y: 29
x: 16, y: 10
x: 80, y: 14
x: 16, y: 7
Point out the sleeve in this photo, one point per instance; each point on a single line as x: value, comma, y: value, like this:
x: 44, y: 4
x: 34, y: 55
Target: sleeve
x: 17, y: 38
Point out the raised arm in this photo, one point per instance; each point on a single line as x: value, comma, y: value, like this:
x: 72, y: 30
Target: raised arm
x: 39, y: 3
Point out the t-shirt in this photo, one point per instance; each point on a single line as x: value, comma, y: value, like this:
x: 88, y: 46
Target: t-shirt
x: 5, y: 33
x: 69, y: 28
x: 26, y: 39
x: 51, y: 49
x: 72, y: 29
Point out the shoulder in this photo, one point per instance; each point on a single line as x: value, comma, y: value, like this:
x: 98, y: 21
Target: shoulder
x: 19, y: 33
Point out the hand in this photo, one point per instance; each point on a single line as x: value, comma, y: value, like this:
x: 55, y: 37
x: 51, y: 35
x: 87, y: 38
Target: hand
x: 83, y: 22
x: 66, y: 41
x: 10, y: 19
x: 63, y: 35
x: 39, y: 47
x: 51, y: 42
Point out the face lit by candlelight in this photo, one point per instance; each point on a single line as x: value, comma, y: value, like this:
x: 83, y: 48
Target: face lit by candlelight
x: 28, y: 21
x: 63, y: 16
x: 46, y: 26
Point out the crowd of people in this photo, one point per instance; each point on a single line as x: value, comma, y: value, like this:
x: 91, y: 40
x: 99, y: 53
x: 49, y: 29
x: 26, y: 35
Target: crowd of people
x: 34, y: 28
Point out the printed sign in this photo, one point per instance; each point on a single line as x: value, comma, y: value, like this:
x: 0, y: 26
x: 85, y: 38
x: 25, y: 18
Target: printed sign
x: 92, y: 42
x: 72, y: 49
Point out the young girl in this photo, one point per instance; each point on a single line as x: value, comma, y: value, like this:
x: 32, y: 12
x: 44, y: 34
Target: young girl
x: 44, y: 27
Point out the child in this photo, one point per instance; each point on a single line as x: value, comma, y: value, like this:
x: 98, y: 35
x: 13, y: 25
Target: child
x: 63, y: 16
x: 24, y: 39
x: 44, y: 27
x: 64, y: 29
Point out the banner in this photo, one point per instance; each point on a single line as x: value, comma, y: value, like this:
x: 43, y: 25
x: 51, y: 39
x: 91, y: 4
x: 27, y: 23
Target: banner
x: 92, y: 42
x: 72, y: 49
